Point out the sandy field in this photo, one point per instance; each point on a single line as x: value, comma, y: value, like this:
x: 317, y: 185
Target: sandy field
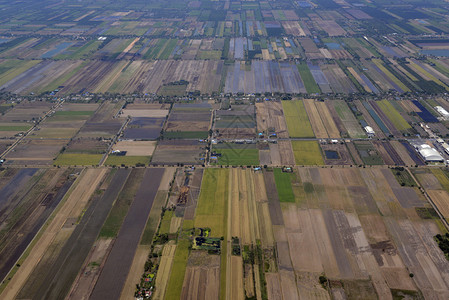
x: 136, y: 148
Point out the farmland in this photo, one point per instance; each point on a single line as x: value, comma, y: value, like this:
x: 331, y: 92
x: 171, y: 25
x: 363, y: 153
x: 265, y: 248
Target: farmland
x: 270, y: 119
x: 188, y: 121
x: 398, y: 121
x: 212, y: 212
x: 307, y: 153
x: 269, y: 211
x: 224, y: 150
x: 235, y: 154
x: 297, y: 120
x: 78, y: 159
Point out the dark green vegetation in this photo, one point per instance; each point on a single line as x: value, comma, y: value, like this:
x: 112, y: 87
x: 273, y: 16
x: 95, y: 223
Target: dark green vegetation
x: 443, y: 243
x: 406, y: 294
x: 426, y: 213
x: 403, y: 177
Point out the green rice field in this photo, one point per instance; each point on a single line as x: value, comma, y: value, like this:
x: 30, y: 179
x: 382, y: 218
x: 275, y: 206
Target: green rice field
x: 307, y: 153
x: 298, y: 123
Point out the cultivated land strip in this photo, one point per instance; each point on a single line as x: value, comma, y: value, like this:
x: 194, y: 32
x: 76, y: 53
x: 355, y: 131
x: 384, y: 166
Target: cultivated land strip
x: 70, y: 208
x: 116, y: 268
x: 60, y: 277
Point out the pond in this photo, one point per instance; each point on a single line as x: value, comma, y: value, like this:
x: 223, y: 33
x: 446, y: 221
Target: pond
x: 436, y: 52
x: 331, y: 154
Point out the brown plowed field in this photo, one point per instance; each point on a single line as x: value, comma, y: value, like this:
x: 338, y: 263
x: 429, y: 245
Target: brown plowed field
x: 270, y: 116
x: 315, y: 119
x: 115, y: 271
x: 286, y: 152
x: 202, y: 279
x: 71, y: 208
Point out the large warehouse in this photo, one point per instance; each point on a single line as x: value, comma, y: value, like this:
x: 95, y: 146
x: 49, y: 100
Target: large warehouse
x: 429, y: 154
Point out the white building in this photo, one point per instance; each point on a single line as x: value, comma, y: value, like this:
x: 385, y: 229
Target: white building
x: 369, y: 131
x: 429, y: 154
x: 442, y: 111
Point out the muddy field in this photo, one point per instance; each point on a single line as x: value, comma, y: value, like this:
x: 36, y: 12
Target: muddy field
x: 143, y: 128
x: 286, y: 153
x: 238, y: 123
x: 87, y: 145
x: 41, y: 77
x: 361, y: 228
x: 25, y: 111
x: 116, y: 268
x: 47, y: 247
x: 39, y: 152
x: 270, y: 119
x: 185, y: 117
x: 146, y: 110
x: 148, y: 77
x: 202, y: 279
x: 76, y: 247
x: 179, y: 151
x: 340, y: 255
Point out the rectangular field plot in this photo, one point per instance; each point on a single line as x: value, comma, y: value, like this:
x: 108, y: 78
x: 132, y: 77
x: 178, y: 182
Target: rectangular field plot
x: 327, y: 222
x: 270, y: 119
x: 87, y: 145
x: 36, y: 151
x: 235, y: 154
x: 284, y: 185
x: 264, y: 76
x: 298, y: 123
x: 368, y: 153
x: 77, y: 159
x: 119, y: 160
x: 348, y: 119
x: 188, y: 121
x: 388, y: 153
x: 135, y: 148
x: 44, y: 77
x: 390, y: 117
x: 26, y: 112
x: 211, y: 210
x: 14, y: 68
x: 239, y: 123
x: 143, y: 128
x: 179, y: 151
x: 336, y: 154
x: 115, y: 270
x: 145, y: 110
x: 307, y: 153
x: 201, y: 75
x: 398, y: 121
x: 103, y: 124
x: 9, y: 130
x: 38, y: 193
x: 321, y: 120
